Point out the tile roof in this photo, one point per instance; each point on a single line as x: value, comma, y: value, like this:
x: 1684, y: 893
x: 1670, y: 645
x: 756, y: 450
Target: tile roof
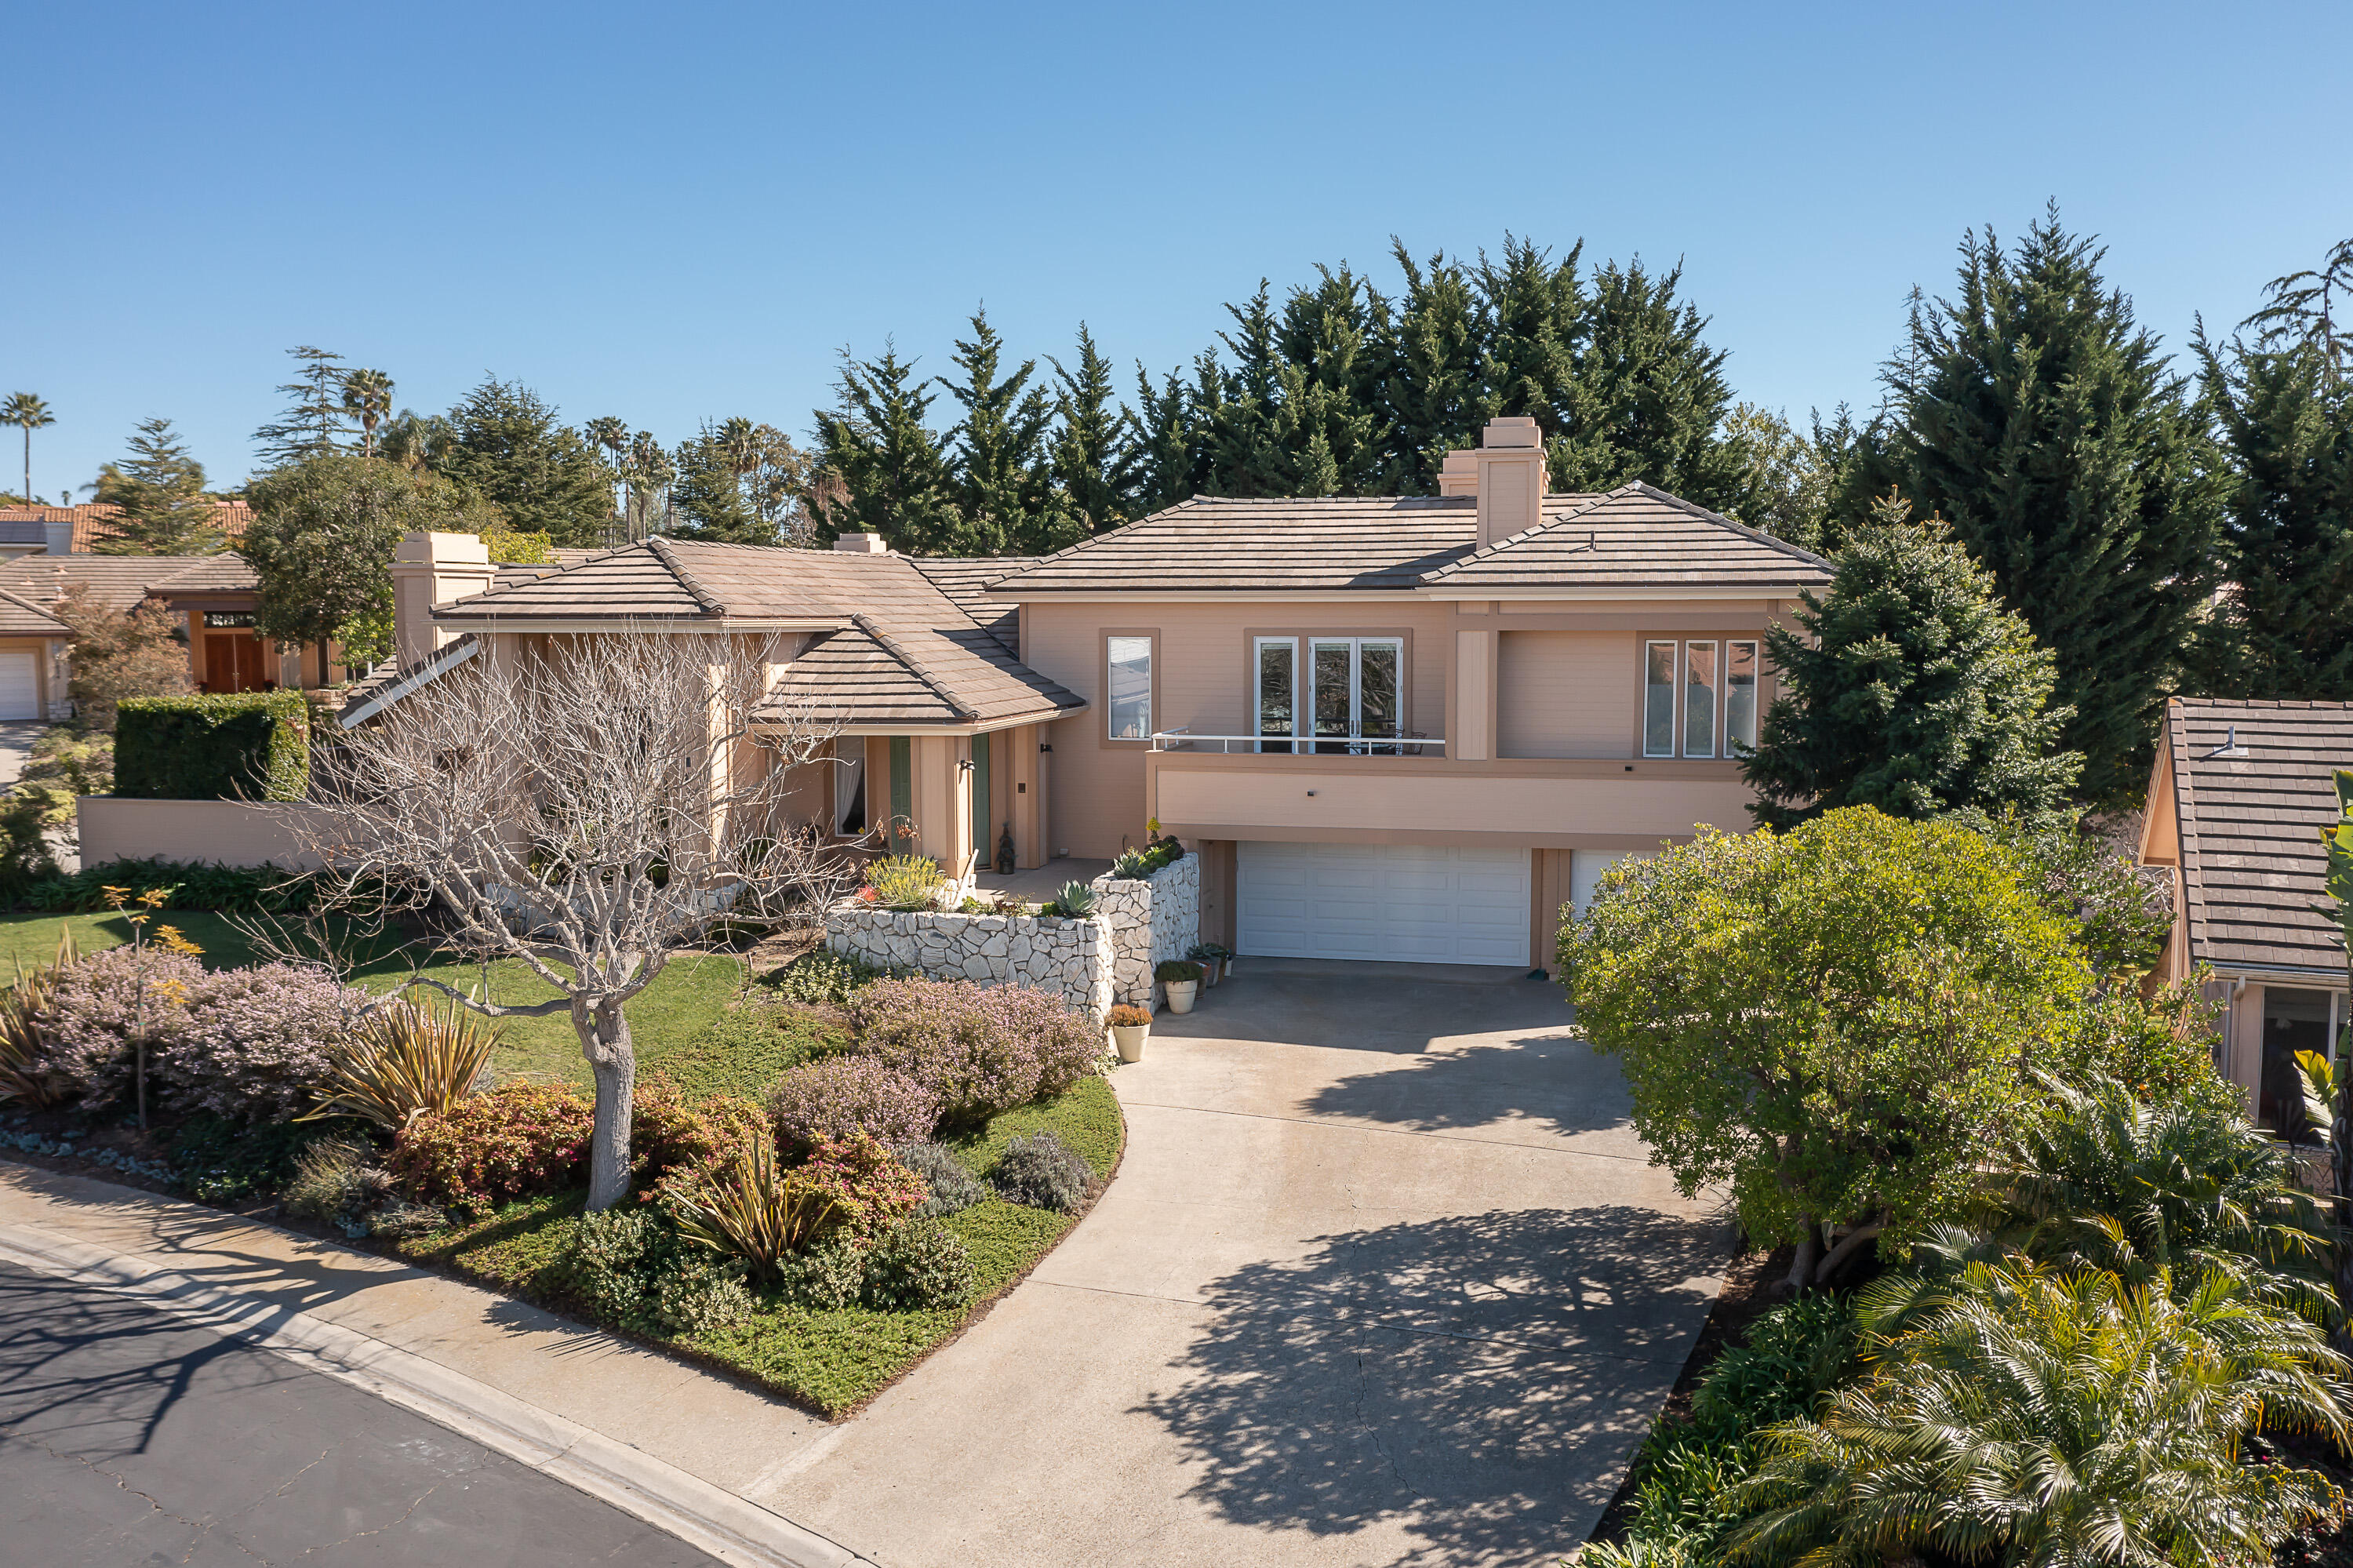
x: 22, y: 617
x: 2251, y: 861
x: 225, y: 573
x: 1634, y: 536
x: 900, y: 650
x: 966, y: 579
x: 93, y: 521
x: 119, y: 582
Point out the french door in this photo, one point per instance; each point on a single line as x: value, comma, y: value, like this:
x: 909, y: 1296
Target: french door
x: 1355, y: 694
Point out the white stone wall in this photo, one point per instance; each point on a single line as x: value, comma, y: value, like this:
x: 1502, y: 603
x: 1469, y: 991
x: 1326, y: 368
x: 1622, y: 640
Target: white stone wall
x: 1068, y: 958
x: 1151, y: 921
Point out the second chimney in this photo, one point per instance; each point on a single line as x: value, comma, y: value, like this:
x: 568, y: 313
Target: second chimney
x: 861, y: 544
x: 1511, y: 478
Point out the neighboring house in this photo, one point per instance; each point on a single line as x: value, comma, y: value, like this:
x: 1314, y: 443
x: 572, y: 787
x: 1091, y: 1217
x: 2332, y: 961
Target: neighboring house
x: 1396, y: 728
x: 77, y: 530
x: 33, y: 668
x: 2236, y: 803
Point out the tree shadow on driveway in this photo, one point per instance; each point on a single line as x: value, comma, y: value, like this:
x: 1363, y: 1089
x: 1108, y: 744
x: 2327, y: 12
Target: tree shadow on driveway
x: 1478, y: 1380
x: 1554, y: 1081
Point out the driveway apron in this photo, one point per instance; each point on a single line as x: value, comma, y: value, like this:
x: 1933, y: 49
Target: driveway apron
x: 1386, y: 1278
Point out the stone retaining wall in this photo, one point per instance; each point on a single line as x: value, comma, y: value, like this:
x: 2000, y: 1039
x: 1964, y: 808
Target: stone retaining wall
x: 1068, y: 958
x: 1151, y: 921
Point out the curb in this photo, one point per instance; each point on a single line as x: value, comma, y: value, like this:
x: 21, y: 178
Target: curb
x: 708, y: 1518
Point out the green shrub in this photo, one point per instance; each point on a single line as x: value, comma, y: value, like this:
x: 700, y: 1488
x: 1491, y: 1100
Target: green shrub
x: 1041, y: 1171
x: 632, y: 1270
x: 337, y: 1180
x: 919, y: 1266
x: 824, y: 978
x: 1177, y: 971
x: 824, y: 1275
x: 908, y: 882
x: 950, y: 1188
x: 223, y: 1161
x: 243, y: 746
x: 191, y: 884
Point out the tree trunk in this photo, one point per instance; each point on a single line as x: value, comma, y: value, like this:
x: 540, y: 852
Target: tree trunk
x: 1801, y: 1269
x: 605, y: 1041
x: 1847, y: 1249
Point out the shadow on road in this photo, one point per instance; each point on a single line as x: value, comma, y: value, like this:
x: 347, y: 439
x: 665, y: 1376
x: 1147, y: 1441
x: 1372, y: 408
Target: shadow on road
x: 1550, y: 1080
x: 1480, y: 1379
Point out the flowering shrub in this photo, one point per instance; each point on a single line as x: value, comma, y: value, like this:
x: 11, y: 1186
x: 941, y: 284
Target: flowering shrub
x: 257, y: 1044
x: 93, y: 1011
x: 980, y: 1049
x: 842, y: 1096
x: 904, y: 880
x: 870, y: 1189
x: 671, y: 1140
x: 511, y: 1143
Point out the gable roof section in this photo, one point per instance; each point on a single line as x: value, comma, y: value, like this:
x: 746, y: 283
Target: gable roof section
x: 2252, y: 864
x: 966, y: 579
x: 22, y: 617
x: 1635, y: 537
x: 118, y: 582
x: 225, y: 573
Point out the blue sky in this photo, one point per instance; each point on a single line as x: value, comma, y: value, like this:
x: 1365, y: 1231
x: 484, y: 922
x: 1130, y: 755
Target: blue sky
x: 681, y: 212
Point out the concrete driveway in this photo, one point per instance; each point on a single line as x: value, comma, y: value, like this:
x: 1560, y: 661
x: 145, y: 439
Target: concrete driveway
x: 17, y: 738
x: 1386, y: 1278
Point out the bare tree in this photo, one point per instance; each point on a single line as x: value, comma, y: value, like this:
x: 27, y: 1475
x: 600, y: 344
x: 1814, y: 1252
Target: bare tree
x: 587, y: 807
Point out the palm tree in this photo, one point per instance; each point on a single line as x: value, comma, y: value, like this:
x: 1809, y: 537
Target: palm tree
x: 30, y: 412
x: 418, y: 441
x: 2042, y: 1416
x: 368, y: 394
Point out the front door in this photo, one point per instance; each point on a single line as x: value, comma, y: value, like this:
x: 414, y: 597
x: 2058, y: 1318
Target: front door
x: 233, y: 663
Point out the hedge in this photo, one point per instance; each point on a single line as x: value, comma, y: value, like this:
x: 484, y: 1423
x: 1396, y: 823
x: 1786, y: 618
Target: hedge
x: 241, y: 745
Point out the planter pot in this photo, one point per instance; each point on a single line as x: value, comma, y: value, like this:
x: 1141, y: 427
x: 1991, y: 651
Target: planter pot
x: 1130, y: 1041
x: 1180, y: 995
x: 1208, y: 971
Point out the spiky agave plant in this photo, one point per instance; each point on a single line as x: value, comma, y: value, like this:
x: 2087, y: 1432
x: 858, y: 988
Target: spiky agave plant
x: 755, y: 1209
x: 407, y: 1058
x: 21, y: 1006
x: 2035, y: 1415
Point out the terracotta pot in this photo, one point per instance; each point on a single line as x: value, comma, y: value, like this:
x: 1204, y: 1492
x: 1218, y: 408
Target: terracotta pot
x: 1181, y: 994
x: 1130, y: 1040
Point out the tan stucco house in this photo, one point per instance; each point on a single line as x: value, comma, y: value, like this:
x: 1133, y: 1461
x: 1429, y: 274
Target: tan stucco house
x: 1395, y: 729
x: 2236, y: 803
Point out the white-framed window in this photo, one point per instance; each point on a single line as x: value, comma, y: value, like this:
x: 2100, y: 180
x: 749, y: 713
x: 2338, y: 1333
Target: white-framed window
x: 1700, y: 704
x: 1129, y: 685
x: 1355, y: 692
x: 1277, y: 678
x: 1739, y: 698
x: 1658, y: 699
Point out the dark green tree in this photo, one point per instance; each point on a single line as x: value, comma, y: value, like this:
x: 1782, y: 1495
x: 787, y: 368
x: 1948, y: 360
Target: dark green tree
x: 1652, y: 397
x: 1532, y: 312
x: 2034, y: 414
x: 161, y: 491
x: 321, y: 543
x: 709, y: 492
x: 1172, y: 433
x: 506, y: 446
x: 1093, y: 461
x: 999, y: 467
x: 1332, y: 341
x: 2283, y: 627
x: 1433, y: 397
x: 318, y: 419
x: 1909, y: 687
x: 882, y: 467
x: 1237, y: 416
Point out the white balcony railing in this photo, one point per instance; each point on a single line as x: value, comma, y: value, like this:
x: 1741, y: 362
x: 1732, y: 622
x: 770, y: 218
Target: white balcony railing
x: 1184, y: 739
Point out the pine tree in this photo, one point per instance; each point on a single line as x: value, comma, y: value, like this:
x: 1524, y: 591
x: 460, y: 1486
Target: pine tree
x: 1094, y: 466
x: 882, y: 467
x: 318, y: 419
x: 999, y: 465
x: 1531, y: 313
x: 1172, y: 433
x: 708, y: 491
x: 2283, y: 627
x: 1909, y: 687
x: 1651, y: 397
x: 2041, y: 422
x: 1432, y: 397
x: 161, y: 491
x: 1245, y: 455
x: 1332, y: 344
x: 506, y: 446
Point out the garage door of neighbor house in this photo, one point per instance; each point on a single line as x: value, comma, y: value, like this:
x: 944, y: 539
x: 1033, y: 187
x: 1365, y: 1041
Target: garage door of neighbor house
x: 1398, y: 903
x: 20, y: 692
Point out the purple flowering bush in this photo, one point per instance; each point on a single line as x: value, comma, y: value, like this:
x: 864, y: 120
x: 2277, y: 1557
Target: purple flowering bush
x: 837, y: 1098
x: 981, y: 1049
x: 87, y: 1029
x: 255, y: 1045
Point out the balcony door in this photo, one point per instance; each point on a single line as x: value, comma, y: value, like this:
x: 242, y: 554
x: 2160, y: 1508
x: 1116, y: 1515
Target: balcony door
x: 1355, y: 692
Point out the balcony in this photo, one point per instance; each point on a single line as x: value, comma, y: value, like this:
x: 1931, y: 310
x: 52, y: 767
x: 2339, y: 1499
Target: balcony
x: 1409, y: 791
x: 1411, y: 744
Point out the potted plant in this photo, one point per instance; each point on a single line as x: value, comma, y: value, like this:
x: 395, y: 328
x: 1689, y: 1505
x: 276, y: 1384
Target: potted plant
x: 1183, y: 980
x: 1212, y: 958
x: 1130, y: 1027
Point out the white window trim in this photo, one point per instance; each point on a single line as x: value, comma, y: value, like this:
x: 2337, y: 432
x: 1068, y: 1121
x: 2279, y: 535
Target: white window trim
x: 1110, y: 704
x: 1674, y: 694
x: 1290, y: 645
x: 1354, y: 739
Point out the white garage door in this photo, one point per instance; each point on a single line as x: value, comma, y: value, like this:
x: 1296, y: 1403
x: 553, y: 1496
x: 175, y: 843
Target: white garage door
x: 19, y: 694
x: 1401, y: 903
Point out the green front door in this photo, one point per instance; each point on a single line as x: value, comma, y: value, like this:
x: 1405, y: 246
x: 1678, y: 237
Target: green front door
x: 902, y: 790
x: 984, y: 828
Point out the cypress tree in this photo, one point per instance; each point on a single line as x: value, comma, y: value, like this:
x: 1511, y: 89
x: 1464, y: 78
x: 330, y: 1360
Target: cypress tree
x: 1244, y: 448
x: 1093, y: 464
x: 1651, y: 397
x: 1172, y: 433
x: 1909, y: 687
x: 707, y: 490
x: 891, y: 470
x: 1433, y: 399
x: 2034, y: 414
x: 1327, y: 418
x: 160, y: 489
x: 2283, y: 627
x: 999, y: 467
x: 506, y: 446
x: 1532, y: 317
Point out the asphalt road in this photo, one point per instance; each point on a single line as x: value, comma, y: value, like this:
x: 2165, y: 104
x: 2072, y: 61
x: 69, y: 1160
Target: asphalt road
x: 128, y: 1436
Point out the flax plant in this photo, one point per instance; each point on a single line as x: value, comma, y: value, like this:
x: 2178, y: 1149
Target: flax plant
x: 21, y: 1007
x: 755, y: 1209
x: 407, y: 1058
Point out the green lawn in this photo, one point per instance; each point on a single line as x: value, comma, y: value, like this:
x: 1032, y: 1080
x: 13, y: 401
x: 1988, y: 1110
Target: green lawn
x: 691, y: 995
x: 832, y: 1362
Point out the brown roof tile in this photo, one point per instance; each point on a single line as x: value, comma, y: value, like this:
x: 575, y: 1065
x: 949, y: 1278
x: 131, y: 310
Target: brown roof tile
x: 119, y: 582
x: 21, y: 617
x: 2252, y: 863
x: 966, y: 580
x: 1635, y: 537
x: 1210, y: 544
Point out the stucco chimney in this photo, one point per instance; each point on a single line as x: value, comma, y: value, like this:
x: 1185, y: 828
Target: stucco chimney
x: 1511, y: 478
x: 861, y: 544
x: 1458, y: 475
x: 430, y: 569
